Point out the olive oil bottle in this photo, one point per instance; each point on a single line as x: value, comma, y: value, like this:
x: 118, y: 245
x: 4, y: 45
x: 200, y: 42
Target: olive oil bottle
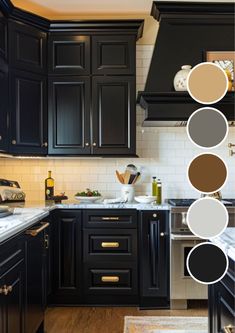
x: 49, y: 187
x: 159, y: 192
x: 154, y: 187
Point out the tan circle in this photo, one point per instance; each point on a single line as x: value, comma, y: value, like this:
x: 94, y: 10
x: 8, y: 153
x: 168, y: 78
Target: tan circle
x: 207, y: 173
x: 207, y: 83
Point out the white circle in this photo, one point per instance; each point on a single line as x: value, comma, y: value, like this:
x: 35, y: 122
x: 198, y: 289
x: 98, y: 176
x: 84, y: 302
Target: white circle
x: 198, y: 110
x: 202, y: 282
x: 217, y: 190
x: 190, y: 73
x: 206, y: 225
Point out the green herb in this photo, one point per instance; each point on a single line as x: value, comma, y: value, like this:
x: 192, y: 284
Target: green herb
x: 88, y: 193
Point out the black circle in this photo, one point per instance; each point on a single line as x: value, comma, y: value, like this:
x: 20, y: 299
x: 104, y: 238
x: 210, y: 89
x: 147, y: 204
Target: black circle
x: 207, y: 263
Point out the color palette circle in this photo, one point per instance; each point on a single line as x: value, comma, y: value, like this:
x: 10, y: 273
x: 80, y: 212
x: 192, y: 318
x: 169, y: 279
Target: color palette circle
x: 207, y: 218
x: 207, y: 83
x: 199, y: 124
x: 207, y: 173
x: 207, y: 263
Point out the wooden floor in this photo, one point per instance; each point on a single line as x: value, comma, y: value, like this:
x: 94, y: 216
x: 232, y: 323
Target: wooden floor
x: 102, y: 320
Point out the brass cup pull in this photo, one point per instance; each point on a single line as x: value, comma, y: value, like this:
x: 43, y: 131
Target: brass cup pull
x: 110, y: 279
x: 5, y: 290
x: 35, y: 232
x: 46, y: 241
x: 228, y: 329
x: 110, y: 244
x: 110, y: 218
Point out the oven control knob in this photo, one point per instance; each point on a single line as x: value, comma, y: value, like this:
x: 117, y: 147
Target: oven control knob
x: 154, y: 215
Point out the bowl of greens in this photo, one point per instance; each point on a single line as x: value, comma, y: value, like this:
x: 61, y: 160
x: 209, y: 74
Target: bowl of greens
x: 88, y: 195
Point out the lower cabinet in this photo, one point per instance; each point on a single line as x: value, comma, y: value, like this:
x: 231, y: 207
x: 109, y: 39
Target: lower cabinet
x: 66, y: 230
x: 4, y: 135
x: 222, y: 303
x: 154, y: 259
x: 22, y: 283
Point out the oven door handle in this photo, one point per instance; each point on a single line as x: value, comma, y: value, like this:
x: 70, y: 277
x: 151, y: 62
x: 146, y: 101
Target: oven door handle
x: 178, y: 237
x: 154, y: 249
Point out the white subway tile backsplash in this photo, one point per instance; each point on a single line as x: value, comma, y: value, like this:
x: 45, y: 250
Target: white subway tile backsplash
x: 163, y: 152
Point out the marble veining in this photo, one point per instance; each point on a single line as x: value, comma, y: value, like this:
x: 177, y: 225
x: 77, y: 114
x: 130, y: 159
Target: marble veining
x: 227, y: 242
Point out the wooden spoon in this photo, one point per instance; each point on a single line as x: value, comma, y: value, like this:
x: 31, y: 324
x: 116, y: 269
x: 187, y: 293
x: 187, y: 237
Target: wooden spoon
x: 120, y: 177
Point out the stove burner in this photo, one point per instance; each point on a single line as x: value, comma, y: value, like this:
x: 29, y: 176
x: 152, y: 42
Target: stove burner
x: 181, y: 202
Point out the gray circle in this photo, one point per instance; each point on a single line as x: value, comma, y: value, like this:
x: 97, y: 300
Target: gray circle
x: 207, y: 217
x: 207, y: 127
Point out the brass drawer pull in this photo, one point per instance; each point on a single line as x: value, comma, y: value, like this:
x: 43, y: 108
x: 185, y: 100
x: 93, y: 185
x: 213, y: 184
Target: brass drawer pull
x: 110, y: 279
x: 228, y: 329
x: 5, y: 290
x: 46, y: 241
x: 110, y: 244
x: 35, y: 232
x: 110, y: 218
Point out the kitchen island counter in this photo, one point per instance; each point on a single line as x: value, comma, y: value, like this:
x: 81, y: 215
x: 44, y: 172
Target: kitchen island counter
x: 227, y: 242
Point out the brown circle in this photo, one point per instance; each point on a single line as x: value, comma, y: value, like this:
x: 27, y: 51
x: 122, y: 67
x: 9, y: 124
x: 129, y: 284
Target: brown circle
x: 207, y: 173
x: 207, y: 83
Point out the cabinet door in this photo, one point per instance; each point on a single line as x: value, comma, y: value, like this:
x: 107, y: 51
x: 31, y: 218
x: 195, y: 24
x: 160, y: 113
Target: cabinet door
x: 113, y: 55
x: 69, y: 115
x: 67, y: 257
x: 154, y: 258
x: 3, y: 105
x: 3, y: 37
x: 28, y: 120
x: 69, y: 54
x: 27, y: 47
x: 12, y: 298
x: 113, y: 115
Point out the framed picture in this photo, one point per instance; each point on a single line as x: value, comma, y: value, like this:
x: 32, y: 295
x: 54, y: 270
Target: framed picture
x: 225, y: 59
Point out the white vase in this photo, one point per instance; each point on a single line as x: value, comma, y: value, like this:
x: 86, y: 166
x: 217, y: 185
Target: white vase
x: 180, y: 79
x: 128, y: 192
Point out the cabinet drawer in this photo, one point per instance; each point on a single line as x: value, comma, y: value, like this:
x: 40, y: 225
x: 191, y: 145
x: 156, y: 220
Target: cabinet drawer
x: 110, y: 244
x: 104, y: 280
x: 11, y: 252
x: 110, y: 218
x: 113, y: 54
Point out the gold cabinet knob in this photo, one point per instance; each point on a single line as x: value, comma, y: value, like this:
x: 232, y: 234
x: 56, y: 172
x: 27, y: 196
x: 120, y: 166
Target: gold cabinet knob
x: 231, y: 145
x: 162, y: 234
x: 87, y: 144
x: 13, y: 142
x: 94, y: 144
x: 154, y: 215
x: 45, y: 144
x: 0, y: 138
x: 108, y: 279
x: 5, y: 290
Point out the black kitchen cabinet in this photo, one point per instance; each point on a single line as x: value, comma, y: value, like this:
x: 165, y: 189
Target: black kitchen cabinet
x: 4, y: 134
x: 67, y: 267
x: 3, y: 36
x: 69, y: 115
x: 27, y: 46
x: 28, y: 116
x: 36, y: 276
x: 222, y: 303
x: 113, y: 115
x: 12, y: 286
x: 154, y: 259
x: 69, y: 54
x: 113, y: 55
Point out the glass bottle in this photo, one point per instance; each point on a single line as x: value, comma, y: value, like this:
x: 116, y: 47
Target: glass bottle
x: 159, y: 192
x: 49, y: 187
x: 154, y: 187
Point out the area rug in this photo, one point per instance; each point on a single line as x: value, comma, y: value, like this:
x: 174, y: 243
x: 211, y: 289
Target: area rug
x: 157, y: 324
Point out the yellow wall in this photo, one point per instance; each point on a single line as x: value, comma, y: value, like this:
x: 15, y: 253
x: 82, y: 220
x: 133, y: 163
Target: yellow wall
x: 150, y: 26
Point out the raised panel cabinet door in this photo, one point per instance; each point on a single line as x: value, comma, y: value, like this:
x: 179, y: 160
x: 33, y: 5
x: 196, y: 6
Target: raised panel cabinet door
x: 4, y: 135
x: 113, y: 55
x: 69, y: 115
x: 67, y: 255
x: 69, y: 54
x: 113, y: 115
x: 12, y: 299
x: 154, y: 258
x: 28, y: 120
x: 3, y: 36
x: 27, y: 47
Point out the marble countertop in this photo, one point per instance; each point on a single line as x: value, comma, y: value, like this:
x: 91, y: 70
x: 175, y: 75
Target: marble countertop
x: 29, y: 213
x: 227, y: 242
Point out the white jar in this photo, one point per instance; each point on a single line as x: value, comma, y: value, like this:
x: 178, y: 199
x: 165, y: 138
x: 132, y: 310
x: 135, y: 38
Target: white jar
x: 180, y: 79
x: 128, y: 192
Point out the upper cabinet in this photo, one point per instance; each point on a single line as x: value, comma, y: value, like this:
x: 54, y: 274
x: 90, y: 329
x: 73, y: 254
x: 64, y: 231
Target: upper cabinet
x: 69, y: 54
x: 27, y: 47
x: 113, y: 55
